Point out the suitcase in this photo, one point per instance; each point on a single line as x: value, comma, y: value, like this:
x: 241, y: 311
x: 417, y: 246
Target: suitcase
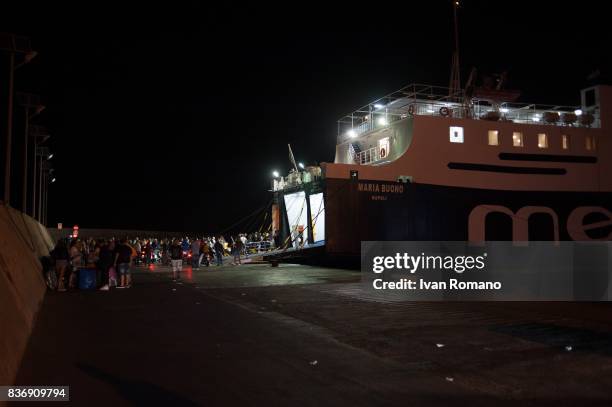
x: 87, y: 279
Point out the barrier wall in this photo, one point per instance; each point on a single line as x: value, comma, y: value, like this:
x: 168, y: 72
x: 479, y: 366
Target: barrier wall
x: 22, y: 287
x: 119, y: 233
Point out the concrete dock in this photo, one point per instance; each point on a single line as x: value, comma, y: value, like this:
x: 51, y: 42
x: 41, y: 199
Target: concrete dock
x: 299, y: 335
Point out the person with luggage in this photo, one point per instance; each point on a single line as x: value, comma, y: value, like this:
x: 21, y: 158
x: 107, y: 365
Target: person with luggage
x: 204, y: 253
x: 122, y: 262
x: 176, y: 258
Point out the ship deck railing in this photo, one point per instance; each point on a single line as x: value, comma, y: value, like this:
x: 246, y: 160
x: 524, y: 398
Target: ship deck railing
x: 293, y: 181
x: 427, y: 100
x: 258, y: 247
x: 368, y: 156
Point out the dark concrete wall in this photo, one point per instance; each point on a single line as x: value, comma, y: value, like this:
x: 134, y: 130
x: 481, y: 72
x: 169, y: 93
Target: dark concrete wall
x: 22, y: 288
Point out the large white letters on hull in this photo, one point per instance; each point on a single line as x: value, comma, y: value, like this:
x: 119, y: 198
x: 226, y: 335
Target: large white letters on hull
x: 576, y: 228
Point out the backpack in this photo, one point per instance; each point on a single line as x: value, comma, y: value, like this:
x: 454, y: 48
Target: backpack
x: 176, y: 252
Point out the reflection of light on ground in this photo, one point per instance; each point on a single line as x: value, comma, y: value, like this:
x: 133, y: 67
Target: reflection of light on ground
x: 254, y: 275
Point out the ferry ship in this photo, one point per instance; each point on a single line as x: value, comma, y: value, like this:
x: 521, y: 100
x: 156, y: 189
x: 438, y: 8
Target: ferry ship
x: 429, y: 163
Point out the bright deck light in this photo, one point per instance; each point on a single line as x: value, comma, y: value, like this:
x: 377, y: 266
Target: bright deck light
x: 382, y: 121
x: 504, y: 110
x: 275, y: 174
x: 351, y: 133
x: 378, y: 106
x: 577, y: 112
x: 301, y: 165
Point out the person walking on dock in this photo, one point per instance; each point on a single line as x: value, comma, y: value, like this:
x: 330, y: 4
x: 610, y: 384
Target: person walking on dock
x: 237, y: 251
x: 61, y: 256
x: 176, y: 258
x: 123, y: 261
x: 205, y: 252
x: 219, y: 252
x: 105, y: 262
x: 195, y: 254
x: 76, y: 257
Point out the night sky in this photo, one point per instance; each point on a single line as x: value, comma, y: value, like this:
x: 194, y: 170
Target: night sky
x: 173, y: 118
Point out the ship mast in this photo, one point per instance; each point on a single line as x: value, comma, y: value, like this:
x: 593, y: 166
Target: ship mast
x: 292, y: 158
x: 455, y: 80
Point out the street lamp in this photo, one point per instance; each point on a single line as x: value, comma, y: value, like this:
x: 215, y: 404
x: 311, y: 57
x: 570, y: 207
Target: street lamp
x: 46, y: 195
x: 276, y: 180
x: 40, y: 135
x: 44, y: 168
x: 12, y: 44
x: 29, y: 102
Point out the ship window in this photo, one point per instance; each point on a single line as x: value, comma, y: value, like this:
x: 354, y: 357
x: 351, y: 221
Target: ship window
x: 590, y: 143
x: 517, y: 139
x: 565, y: 142
x: 493, y: 137
x: 542, y: 140
x: 456, y: 134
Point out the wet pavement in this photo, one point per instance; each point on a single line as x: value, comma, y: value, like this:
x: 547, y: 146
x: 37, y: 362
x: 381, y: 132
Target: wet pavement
x: 299, y: 335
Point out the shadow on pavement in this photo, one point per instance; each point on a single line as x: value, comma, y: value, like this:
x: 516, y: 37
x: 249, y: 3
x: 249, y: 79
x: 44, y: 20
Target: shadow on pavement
x: 137, y: 392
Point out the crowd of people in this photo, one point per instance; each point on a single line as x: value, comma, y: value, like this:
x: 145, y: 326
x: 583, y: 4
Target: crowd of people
x: 113, y: 259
